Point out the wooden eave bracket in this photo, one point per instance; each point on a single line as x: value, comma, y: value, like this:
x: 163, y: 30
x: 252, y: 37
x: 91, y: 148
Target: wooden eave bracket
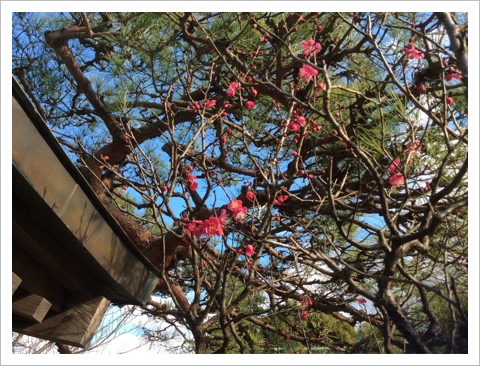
x: 75, y: 326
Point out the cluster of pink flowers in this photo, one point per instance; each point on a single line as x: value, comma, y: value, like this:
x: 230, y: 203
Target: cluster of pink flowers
x: 297, y: 125
x: 209, y: 227
x: 452, y: 74
x: 192, y: 183
x: 294, y: 126
x: 250, y: 195
x: 412, y: 52
x: 210, y: 103
x: 212, y: 226
x: 249, y: 104
x: 310, y: 48
x: 394, y: 166
x: 232, y: 89
x: 307, y: 73
x: 195, y: 106
x: 303, y: 315
x: 239, y: 212
x: 413, y: 147
x: 307, y: 301
x: 249, y: 250
x: 397, y: 178
x: 280, y: 200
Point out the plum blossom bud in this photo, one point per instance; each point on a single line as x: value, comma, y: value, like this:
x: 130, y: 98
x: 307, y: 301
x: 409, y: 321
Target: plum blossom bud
x: 249, y: 250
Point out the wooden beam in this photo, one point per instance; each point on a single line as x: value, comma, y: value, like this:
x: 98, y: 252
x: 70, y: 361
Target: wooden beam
x: 75, y: 326
x: 31, y: 306
x: 37, y: 280
x: 15, y: 282
x: 43, y: 246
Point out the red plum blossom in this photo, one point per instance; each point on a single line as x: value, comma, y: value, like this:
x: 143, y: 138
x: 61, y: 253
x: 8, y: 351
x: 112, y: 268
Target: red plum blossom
x: 396, y: 180
x: 249, y: 104
x: 307, y: 73
x: 412, y: 52
x: 310, y: 47
x: 249, y: 250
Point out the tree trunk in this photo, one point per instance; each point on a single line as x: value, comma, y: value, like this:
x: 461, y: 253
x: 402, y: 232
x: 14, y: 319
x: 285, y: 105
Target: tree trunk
x: 415, y: 343
x: 201, y: 342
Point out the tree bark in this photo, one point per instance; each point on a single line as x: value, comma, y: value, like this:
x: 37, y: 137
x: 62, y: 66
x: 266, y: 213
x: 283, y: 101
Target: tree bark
x: 201, y: 341
x: 458, y: 43
x: 63, y: 348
